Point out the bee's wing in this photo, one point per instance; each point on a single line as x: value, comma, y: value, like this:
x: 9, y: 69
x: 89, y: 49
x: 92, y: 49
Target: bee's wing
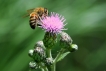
x: 28, y: 12
x: 26, y: 15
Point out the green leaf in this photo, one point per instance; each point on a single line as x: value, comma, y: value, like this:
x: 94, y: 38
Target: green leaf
x: 62, y: 56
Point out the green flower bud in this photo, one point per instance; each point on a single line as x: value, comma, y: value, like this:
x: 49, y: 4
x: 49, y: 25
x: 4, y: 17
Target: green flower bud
x: 39, y: 54
x: 65, y: 40
x: 49, y: 40
x: 73, y: 47
x: 33, y: 65
x: 31, y: 53
x: 49, y: 61
x: 40, y: 44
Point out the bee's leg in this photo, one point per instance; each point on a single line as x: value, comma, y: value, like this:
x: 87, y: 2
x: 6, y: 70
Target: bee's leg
x: 40, y: 18
x: 39, y: 23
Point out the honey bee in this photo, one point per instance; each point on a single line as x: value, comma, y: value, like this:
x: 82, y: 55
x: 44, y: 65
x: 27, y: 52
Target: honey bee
x: 36, y: 15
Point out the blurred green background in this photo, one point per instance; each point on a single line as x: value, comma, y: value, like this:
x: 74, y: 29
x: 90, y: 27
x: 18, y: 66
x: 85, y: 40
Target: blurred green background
x: 86, y: 25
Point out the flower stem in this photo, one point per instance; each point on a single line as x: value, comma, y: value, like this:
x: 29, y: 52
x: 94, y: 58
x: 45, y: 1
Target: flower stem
x: 59, y: 54
x: 48, y: 52
x: 53, y: 67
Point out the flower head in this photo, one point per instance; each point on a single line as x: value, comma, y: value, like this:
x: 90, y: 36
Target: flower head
x: 65, y: 40
x: 64, y: 37
x: 53, y: 23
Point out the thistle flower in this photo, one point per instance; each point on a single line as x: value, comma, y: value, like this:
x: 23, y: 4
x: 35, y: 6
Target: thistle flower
x: 49, y: 40
x: 65, y: 40
x: 33, y: 65
x: 53, y: 23
x: 65, y: 37
x: 39, y: 44
x: 39, y: 54
x: 49, y: 61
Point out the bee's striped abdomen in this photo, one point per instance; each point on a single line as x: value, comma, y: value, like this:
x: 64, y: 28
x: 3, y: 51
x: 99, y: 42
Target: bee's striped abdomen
x: 33, y: 20
x: 32, y: 23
